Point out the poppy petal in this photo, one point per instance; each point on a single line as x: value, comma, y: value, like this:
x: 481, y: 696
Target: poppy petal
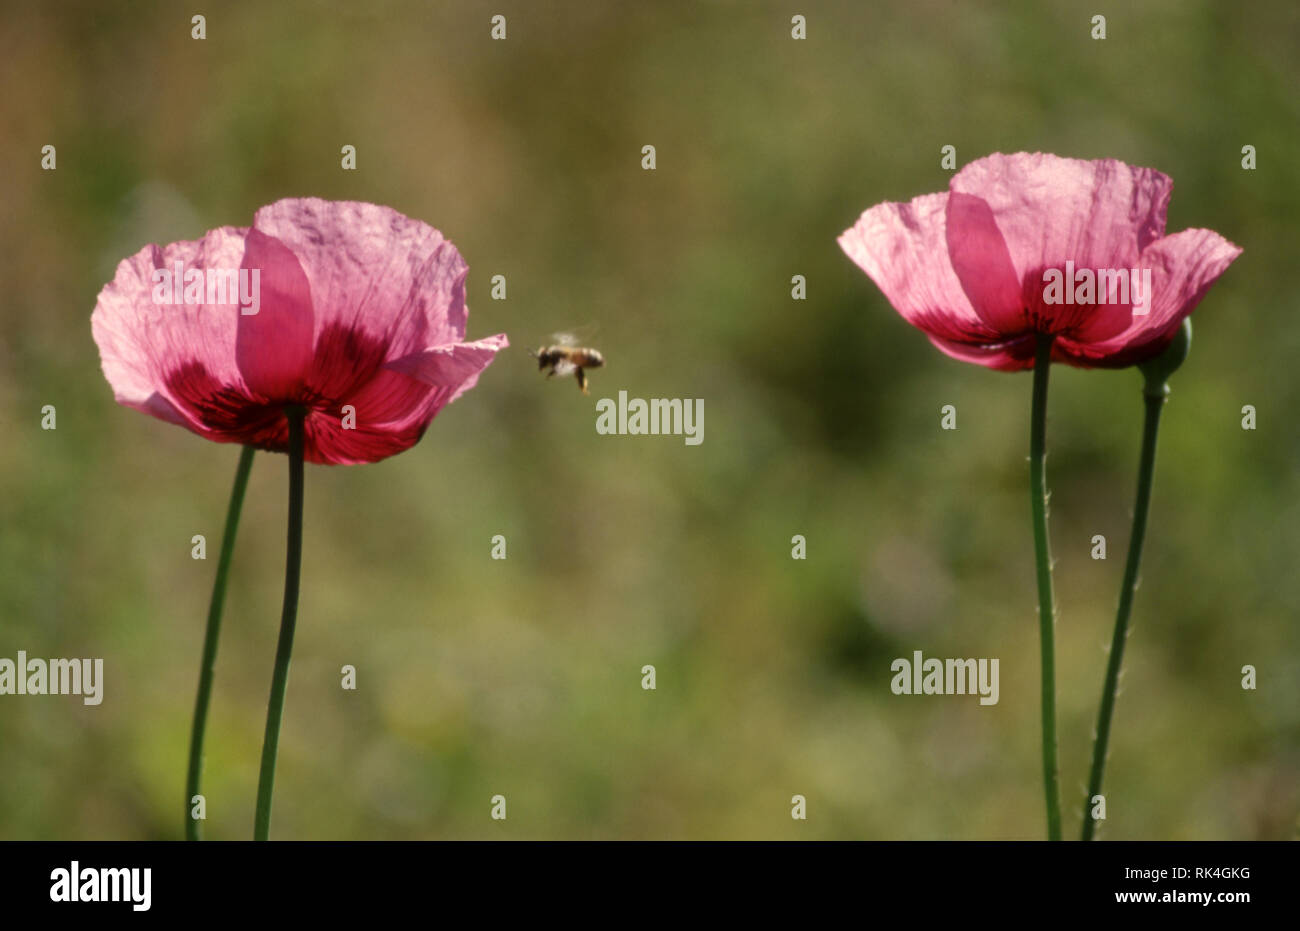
x: 274, y: 345
x: 982, y: 263
x: 902, y: 247
x: 374, y: 271
x: 1013, y: 356
x: 454, y: 368
x: 1097, y: 214
x: 143, y: 341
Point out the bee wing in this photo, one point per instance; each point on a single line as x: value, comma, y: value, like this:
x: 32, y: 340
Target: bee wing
x: 564, y: 338
x: 575, y: 336
x: 564, y: 367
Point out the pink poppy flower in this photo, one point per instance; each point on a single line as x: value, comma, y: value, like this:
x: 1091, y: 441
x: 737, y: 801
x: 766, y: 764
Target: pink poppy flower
x: 350, y: 310
x: 975, y: 268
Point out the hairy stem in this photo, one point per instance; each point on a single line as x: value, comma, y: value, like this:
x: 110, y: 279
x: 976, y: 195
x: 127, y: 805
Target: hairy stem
x: 1155, y: 402
x: 1046, y: 600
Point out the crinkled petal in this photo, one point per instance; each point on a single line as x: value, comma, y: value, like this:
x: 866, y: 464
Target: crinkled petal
x: 143, y: 343
x: 1183, y: 267
x: 452, y: 369
x: 1096, y: 215
x: 902, y: 247
x: 372, y: 270
x: 392, y: 411
x: 1100, y: 214
x: 343, y: 290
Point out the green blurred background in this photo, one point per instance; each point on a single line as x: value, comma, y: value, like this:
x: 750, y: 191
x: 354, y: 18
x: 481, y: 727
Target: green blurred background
x: 523, y: 677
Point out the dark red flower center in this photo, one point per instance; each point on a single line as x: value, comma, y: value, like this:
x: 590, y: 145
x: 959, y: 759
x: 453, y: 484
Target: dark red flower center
x: 344, y: 361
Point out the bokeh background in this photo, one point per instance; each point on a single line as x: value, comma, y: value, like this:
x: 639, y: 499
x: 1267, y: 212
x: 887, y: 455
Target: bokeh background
x: 523, y: 677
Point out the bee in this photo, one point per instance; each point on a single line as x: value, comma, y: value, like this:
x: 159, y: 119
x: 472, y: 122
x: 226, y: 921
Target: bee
x: 565, y: 357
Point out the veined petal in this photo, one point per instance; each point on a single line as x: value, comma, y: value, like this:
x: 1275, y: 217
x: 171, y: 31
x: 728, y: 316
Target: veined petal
x: 394, y: 408
x: 903, y: 248
x: 342, y: 290
x: 1062, y: 213
x: 454, y: 368
x: 143, y: 342
x: 1097, y: 214
x: 1183, y: 266
x: 373, y: 271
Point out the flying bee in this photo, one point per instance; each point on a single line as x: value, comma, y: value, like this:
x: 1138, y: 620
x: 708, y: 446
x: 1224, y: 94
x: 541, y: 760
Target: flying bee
x: 566, y: 357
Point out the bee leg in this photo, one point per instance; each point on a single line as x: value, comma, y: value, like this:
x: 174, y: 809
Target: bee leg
x: 582, y: 380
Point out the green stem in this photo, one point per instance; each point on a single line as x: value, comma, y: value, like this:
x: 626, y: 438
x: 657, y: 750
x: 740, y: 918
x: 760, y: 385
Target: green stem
x: 1046, y: 601
x: 1155, y: 402
x: 288, y: 619
x: 207, y: 665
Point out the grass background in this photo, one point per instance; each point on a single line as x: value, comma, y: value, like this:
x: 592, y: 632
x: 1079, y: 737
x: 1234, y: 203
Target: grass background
x: 522, y: 677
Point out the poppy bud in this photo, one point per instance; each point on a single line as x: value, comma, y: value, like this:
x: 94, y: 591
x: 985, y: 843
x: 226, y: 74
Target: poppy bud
x: 1158, y: 368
